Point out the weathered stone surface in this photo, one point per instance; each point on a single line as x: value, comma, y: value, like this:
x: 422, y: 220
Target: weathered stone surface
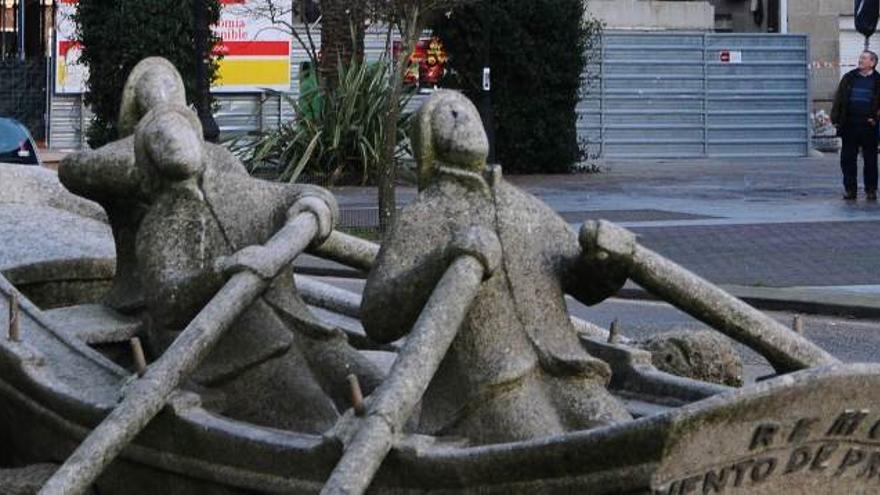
x: 95, y: 323
x: 472, y: 249
x: 701, y: 355
x: 153, y: 82
x: 109, y: 176
x: 37, y: 186
x: 279, y: 365
x: 371, y: 435
x: 516, y: 369
x: 56, y: 246
x: 55, y: 257
x: 816, y: 431
x: 25, y: 481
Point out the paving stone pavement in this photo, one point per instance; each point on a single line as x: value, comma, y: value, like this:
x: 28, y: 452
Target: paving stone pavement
x: 772, y: 222
x: 774, y: 254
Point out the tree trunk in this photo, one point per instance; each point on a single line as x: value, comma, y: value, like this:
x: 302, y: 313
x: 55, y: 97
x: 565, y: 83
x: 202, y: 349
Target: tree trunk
x: 342, y: 36
x: 387, y: 166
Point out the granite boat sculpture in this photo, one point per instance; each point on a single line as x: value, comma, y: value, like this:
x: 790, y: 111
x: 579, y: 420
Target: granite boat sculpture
x: 814, y: 431
x: 491, y: 388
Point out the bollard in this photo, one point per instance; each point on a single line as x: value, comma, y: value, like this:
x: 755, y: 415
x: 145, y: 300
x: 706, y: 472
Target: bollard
x: 614, y: 332
x: 797, y: 324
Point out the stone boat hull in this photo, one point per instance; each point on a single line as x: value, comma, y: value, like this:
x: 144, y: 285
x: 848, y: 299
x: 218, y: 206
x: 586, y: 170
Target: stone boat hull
x: 816, y: 431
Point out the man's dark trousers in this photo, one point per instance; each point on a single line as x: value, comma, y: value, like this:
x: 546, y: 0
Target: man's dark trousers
x: 859, y: 137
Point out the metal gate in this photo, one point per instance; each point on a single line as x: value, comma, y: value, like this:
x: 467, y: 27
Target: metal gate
x: 25, y: 27
x: 236, y: 113
x: 23, y: 93
x: 677, y: 95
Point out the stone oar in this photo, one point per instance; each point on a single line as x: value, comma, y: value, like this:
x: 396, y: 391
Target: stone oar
x: 784, y: 349
x: 393, y: 402
x: 147, y: 396
x: 348, y: 250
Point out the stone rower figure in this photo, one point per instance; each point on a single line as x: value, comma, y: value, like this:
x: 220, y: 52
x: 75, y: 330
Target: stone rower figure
x: 177, y: 205
x: 278, y: 365
x: 516, y: 369
x: 108, y: 175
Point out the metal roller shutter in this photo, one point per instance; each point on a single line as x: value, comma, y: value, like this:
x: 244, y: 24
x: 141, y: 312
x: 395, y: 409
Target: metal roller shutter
x: 680, y: 95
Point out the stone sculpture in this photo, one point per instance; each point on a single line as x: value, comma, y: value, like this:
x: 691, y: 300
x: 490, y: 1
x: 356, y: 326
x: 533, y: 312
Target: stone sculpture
x: 178, y: 205
x: 698, y: 354
x: 109, y: 176
x: 516, y: 369
x: 474, y: 275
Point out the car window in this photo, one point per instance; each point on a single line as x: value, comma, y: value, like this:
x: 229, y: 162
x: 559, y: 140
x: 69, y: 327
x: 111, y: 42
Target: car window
x: 15, y: 144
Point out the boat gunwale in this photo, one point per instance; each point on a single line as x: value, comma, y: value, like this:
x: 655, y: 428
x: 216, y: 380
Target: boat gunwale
x: 457, y: 460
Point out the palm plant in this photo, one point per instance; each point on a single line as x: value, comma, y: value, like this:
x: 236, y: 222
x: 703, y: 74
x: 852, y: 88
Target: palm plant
x: 337, y: 135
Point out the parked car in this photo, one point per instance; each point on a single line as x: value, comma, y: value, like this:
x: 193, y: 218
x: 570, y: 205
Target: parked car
x: 16, y: 144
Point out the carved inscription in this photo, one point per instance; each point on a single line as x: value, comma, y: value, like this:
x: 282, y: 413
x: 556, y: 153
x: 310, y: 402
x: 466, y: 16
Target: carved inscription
x: 841, y: 447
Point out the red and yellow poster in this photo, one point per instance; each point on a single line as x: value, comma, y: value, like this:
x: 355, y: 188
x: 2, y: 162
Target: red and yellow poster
x: 256, y: 53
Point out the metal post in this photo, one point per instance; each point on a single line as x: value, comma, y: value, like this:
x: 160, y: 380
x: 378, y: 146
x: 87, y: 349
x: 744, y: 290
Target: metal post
x: 602, y: 95
x: 203, y: 91
x: 137, y: 353
x: 82, y: 121
x: 486, y: 110
x: 705, y: 95
x: 614, y: 332
x: 47, y: 114
x: 2, y: 29
x: 14, y: 317
x: 783, y: 16
x: 21, y: 19
x: 42, y: 28
x: 357, y: 395
x: 809, y: 99
x: 797, y: 324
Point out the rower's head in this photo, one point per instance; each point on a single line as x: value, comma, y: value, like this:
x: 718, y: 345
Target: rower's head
x: 169, y: 148
x: 153, y: 82
x: 449, y: 132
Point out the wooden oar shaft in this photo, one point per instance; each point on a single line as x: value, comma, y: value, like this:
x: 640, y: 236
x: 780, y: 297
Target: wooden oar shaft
x: 393, y: 402
x: 148, y: 395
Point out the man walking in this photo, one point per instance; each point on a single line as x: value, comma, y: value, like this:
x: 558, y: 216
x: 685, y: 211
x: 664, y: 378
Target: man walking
x: 855, y: 114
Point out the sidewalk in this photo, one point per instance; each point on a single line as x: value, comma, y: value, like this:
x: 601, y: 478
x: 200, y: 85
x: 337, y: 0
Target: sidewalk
x: 773, y: 231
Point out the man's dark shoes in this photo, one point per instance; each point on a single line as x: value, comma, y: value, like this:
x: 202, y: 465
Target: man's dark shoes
x: 871, y: 195
x: 851, y: 195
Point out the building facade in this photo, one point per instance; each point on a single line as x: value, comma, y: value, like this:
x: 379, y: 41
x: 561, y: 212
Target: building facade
x: 720, y: 16
x: 834, y: 43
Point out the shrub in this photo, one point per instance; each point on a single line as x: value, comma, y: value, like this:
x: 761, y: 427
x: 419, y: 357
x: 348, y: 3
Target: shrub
x: 117, y: 34
x: 336, y: 136
x: 538, y: 53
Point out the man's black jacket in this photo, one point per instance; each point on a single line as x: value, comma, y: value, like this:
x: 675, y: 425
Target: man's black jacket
x: 841, y: 98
